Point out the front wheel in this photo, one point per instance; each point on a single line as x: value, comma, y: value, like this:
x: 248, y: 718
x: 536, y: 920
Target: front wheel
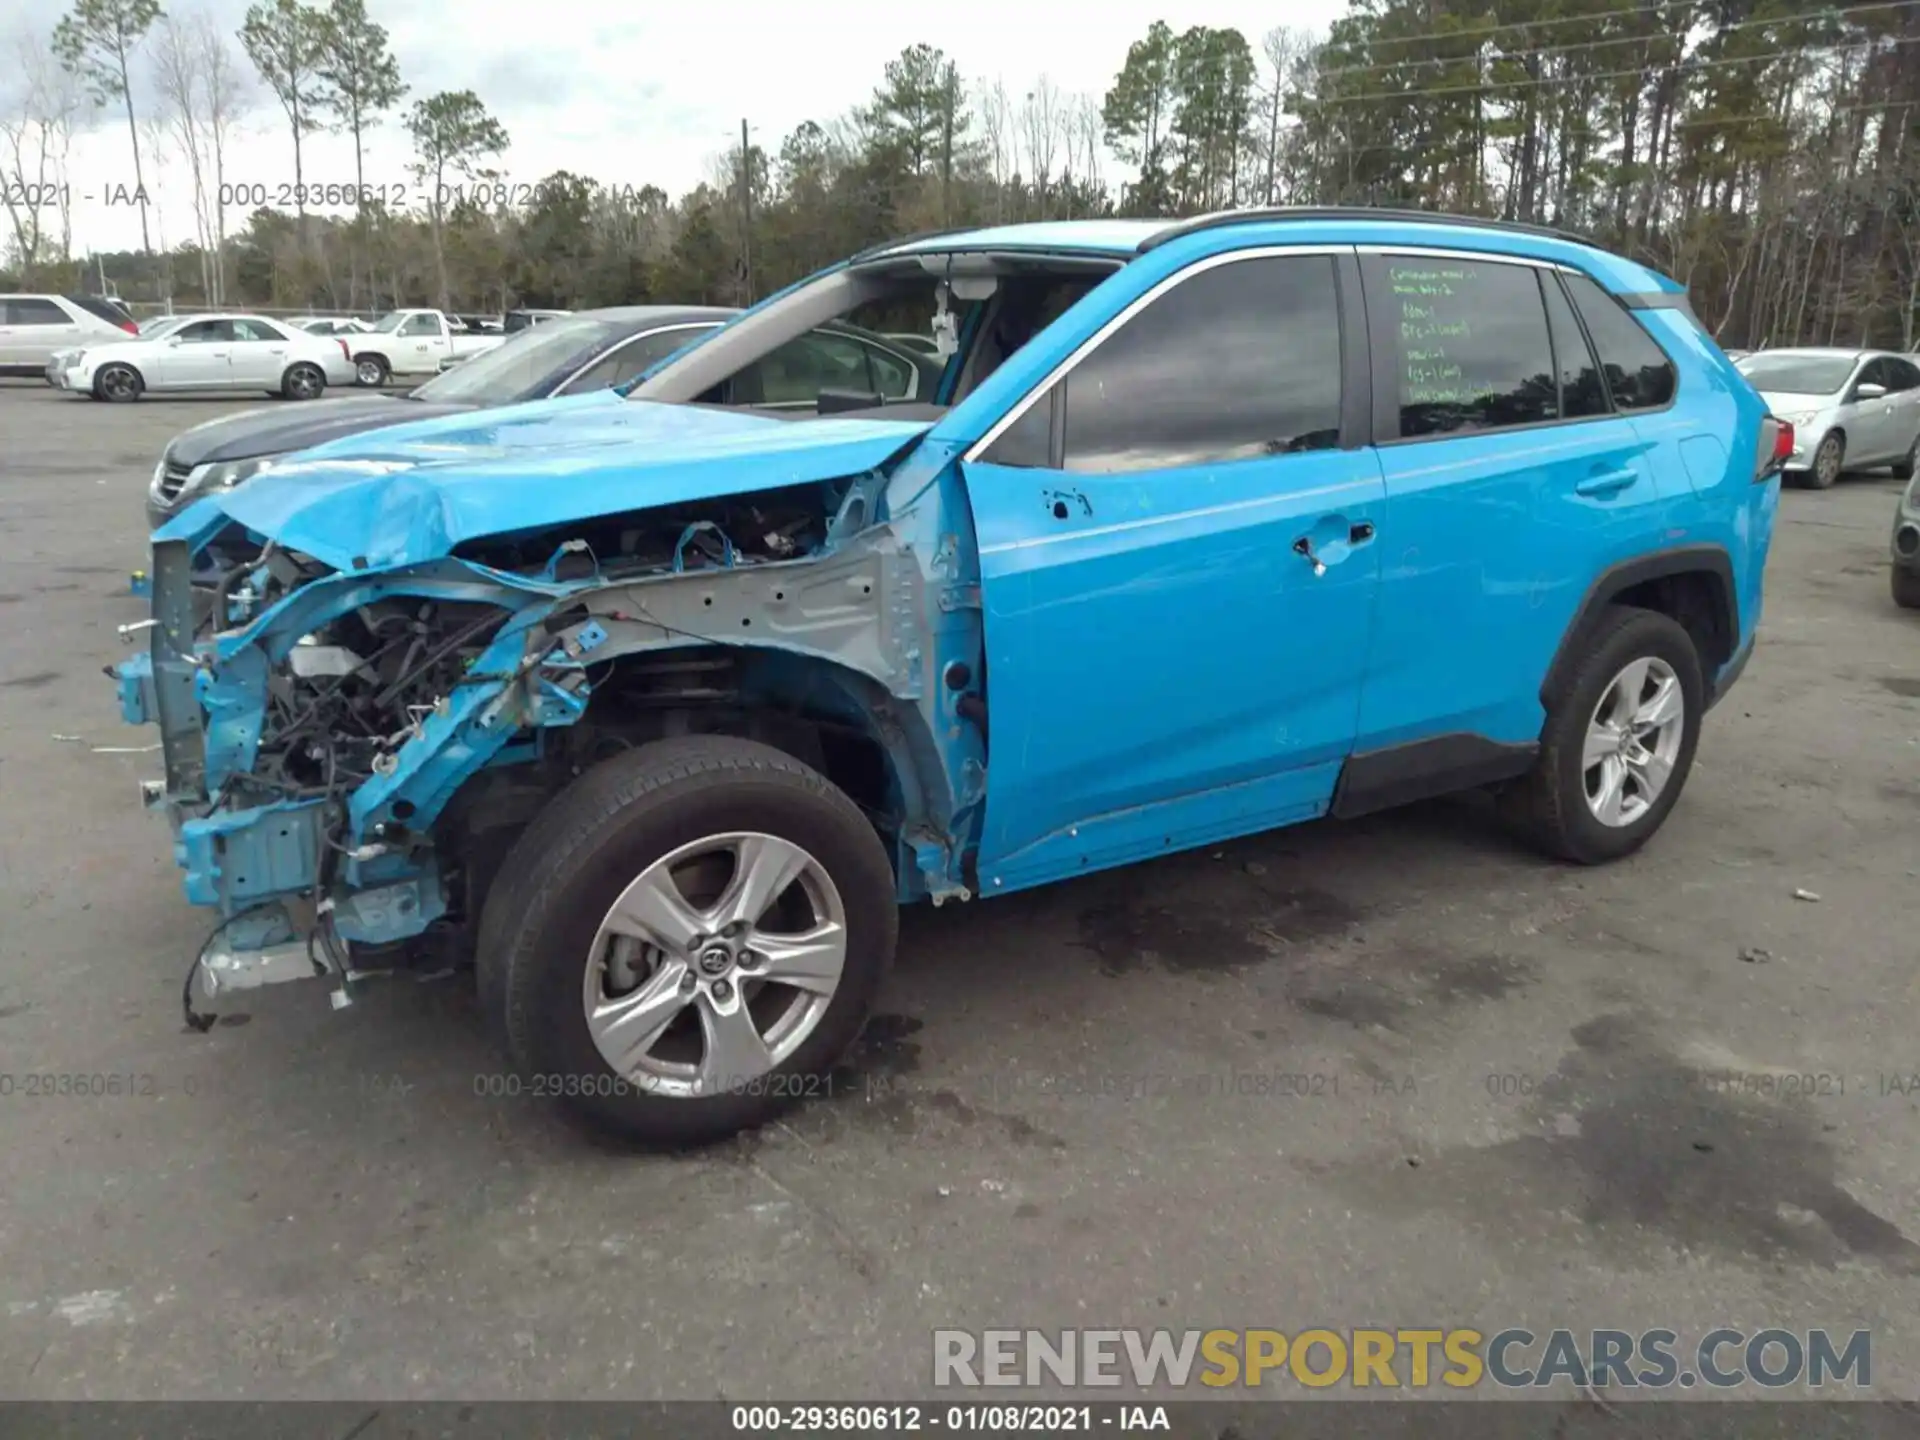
x: 1827, y: 461
x: 118, y: 383
x: 687, y: 939
x: 1906, y: 588
x: 1618, y: 741
x: 370, y: 370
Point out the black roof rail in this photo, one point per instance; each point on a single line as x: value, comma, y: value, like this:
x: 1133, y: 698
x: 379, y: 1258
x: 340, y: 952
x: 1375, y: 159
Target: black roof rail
x: 1222, y: 218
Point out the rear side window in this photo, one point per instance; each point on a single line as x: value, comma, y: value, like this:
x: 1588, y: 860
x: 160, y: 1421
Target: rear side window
x: 1239, y: 361
x: 108, y: 310
x: 32, y: 311
x: 1905, y: 375
x: 1639, y: 374
x: 1470, y: 347
x: 1581, y: 393
x: 628, y: 361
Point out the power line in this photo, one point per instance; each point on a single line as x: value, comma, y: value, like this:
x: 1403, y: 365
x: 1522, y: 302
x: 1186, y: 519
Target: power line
x: 1568, y: 49
x: 1659, y: 7
x: 1494, y: 87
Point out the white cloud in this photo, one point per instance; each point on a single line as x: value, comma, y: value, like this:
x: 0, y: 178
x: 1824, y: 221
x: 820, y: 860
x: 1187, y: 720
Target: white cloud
x: 633, y: 94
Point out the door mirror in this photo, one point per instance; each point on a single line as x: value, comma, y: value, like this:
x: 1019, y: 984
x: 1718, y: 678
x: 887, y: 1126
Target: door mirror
x: 1867, y: 390
x: 173, y: 342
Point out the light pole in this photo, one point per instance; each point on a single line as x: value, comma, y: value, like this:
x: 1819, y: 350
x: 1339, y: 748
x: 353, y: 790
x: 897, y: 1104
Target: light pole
x: 746, y: 211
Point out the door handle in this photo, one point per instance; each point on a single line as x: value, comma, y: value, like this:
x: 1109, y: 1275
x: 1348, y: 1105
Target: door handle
x: 1303, y: 547
x: 1360, y: 533
x: 1606, y: 482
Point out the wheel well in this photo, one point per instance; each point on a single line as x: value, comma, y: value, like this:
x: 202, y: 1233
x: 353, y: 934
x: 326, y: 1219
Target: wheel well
x: 1697, y: 601
x: 1692, y: 586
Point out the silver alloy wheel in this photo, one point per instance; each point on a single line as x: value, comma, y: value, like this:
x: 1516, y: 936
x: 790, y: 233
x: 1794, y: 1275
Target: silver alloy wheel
x: 1633, y: 741
x: 715, y: 964
x: 304, y: 382
x: 1826, y: 462
x: 367, y: 372
x: 117, y: 383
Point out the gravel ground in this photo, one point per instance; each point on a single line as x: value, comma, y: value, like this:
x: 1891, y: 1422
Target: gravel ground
x: 1482, y: 1097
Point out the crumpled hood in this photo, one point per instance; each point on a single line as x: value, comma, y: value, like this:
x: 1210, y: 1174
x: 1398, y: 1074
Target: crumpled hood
x: 278, y: 429
x: 411, y: 493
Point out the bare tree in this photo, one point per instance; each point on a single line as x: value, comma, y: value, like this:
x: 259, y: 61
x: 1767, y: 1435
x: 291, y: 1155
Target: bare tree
x: 1093, y: 137
x: 1285, y: 46
x: 228, y: 93
x: 41, y: 103
x: 1040, y: 130
x: 996, y: 137
x: 176, y: 80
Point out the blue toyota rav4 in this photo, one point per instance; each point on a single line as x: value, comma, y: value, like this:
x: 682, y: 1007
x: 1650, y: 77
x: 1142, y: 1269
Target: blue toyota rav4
x: 657, y: 702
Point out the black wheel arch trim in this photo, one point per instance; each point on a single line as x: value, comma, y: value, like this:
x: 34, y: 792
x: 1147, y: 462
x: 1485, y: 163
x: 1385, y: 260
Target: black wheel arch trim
x: 1423, y: 769
x: 1615, y: 579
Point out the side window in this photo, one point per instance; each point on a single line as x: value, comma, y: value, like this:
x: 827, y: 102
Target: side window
x: 255, y: 330
x: 630, y: 359
x: 1581, y: 393
x: 1638, y: 371
x: 1238, y: 361
x: 1875, y: 372
x: 1027, y: 443
x: 205, y: 332
x: 415, y: 325
x: 1906, y: 375
x: 892, y: 376
x: 798, y: 371
x: 1471, y: 347
x: 35, y: 312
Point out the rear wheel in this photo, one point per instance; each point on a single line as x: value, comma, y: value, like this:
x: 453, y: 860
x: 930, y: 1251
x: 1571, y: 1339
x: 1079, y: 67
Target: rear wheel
x: 1618, y: 741
x: 118, y: 383
x: 370, y: 370
x: 303, y: 382
x: 1904, y: 467
x: 687, y: 939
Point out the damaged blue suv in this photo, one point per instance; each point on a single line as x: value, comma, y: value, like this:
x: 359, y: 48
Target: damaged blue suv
x: 656, y: 704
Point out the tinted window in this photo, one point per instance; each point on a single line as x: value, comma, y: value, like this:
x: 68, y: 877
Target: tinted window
x: 1638, y: 371
x: 1026, y: 442
x: 1906, y: 376
x: 1240, y: 360
x: 1470, y: 343
x: 35, y: 312
x: 1581, y: 393
x: 798, y: 371
x: 892, y: 376
x: 205, y: 332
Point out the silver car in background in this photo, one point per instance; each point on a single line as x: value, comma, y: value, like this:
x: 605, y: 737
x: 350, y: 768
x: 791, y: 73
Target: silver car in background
x: 211, y: 352
x: 1850, y: 409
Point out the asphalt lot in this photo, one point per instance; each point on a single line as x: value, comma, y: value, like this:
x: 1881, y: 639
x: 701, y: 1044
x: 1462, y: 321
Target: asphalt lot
x: 1496, y: 1119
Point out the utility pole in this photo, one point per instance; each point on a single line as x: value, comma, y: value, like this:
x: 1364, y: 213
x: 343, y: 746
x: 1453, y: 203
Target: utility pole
x: 746, y: 210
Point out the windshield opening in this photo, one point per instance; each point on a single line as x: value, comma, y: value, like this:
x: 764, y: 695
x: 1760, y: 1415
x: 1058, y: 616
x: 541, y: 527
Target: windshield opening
x: 525, y: 365
x: 863, y: 339
x: 1797, y: 374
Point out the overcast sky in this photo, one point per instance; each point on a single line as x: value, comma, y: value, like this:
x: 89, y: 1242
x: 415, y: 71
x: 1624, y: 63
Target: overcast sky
x: 632, y: 94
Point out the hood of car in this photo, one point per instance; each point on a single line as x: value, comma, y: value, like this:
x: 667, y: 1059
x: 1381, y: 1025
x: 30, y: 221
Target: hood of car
x: 412, y: 493
x: 278, y: 429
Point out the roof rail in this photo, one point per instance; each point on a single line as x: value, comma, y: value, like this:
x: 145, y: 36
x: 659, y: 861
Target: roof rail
x: 1222, y: 218
x: 874, y: 251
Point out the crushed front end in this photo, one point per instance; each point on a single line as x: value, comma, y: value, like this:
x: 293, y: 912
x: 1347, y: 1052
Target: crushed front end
x: 314, y: 724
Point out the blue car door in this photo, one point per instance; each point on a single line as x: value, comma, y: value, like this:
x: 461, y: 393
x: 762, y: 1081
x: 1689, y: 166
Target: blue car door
x: 1512, y: 481
x: 1177, y: 553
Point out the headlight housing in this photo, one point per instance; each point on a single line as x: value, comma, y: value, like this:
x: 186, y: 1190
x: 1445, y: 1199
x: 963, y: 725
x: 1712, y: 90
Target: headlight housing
x: 1799, y: 419
x: 227, y: 474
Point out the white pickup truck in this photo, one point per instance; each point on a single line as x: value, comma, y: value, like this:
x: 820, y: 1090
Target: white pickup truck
x: 414, y: 342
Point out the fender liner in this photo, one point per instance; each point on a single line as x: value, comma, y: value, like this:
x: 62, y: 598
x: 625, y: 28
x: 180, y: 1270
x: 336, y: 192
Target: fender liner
x: 1707, y: 559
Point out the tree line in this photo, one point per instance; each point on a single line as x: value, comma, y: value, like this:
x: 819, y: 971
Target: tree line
x: 1764, y: 152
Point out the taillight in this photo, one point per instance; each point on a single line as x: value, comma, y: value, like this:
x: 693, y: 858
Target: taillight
x: 1776, y: 447
x: 130, y: 327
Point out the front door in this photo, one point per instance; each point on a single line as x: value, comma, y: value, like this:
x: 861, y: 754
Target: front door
x: 421, y: 343
x: 1178, y: 568
x: 196, y: 356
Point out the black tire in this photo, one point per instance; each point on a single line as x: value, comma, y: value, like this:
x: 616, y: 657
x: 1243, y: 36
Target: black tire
x: 1549, y: 804
x: 1906, y: 589
x: 118, y: 383
x: 590, y: 842
x: 1822, y: 471
x: 371, y: 370
x: 1903, y: 469
x: 303, y: 382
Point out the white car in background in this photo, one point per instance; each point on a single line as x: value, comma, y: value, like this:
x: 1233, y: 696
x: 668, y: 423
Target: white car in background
x: 34, y: 327
x: 1850, y: 409
x: 211, y: 352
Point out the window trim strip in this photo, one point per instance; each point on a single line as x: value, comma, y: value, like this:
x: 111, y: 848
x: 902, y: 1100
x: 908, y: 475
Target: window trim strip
x: 1140, y: 302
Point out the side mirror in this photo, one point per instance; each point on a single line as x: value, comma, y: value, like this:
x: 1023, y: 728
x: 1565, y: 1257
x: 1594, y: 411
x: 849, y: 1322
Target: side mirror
x: 173, y: 341
x: 1869, y: 391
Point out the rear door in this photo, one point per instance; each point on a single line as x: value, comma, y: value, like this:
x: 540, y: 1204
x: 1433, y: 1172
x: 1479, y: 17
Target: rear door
x: 1511, y: 481
x: 32, y: 328
x: 261, y: 353
x: 1178, y: 565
